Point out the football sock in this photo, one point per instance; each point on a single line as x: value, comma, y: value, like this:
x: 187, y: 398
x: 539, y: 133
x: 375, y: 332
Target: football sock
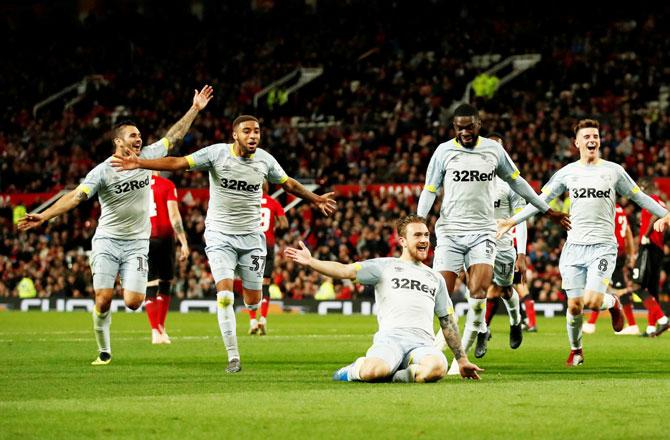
x: 355, y: 369
x: 529, y: 305
x: 628, y: 311
x: 164, y: 301
x: 152, y: 307
x: 653, y: 309
x: 101, y: 325
x: 469, y: 336
x: 608, y: 301
x: 477, y: 312
x: 265, y: 303
x: 512, y: 305
x: 491, y: 308
x: 225, y: 313
x: 593, y: 316
x: 574, y: 326
x: 252, y: 315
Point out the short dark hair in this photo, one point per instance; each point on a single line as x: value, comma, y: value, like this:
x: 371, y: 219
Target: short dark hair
x: 116, y: 130
x: 585, y: 123
x: 401, y: 224
x: 466, y: 110
x: 244, y: 118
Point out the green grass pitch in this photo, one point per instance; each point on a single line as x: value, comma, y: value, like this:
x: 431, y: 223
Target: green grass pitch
x: 49, y: 390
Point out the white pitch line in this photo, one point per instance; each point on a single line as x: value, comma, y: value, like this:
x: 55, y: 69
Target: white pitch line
x: 73, y: 332
x: 175, y: 338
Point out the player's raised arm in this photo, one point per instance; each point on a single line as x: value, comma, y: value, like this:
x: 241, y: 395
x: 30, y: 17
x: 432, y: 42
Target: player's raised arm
x: 177, y: 132
x: 627, y: 187
x: 131, y: 161
x: 324, y: 202
x: 510, y: 174
x: 64, y: 204
x: 332, y: 269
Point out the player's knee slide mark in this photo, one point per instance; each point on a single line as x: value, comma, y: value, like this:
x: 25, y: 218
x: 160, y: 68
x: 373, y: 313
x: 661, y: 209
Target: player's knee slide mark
x: 225, y: 299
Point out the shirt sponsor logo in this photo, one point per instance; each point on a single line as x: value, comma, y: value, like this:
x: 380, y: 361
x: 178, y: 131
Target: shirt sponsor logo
x: 590, y: 193
x: 239, y: 185
x: 405, y: 283
x: 130, y: 185
x: 472, y: 176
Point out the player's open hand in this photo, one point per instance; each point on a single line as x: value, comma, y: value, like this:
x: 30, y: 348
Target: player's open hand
x: 469, y: 370
x: 300, y: 256
x: 560, y: 217
x: 662, y: 223
x: 128, y: 161
x: 201, y: 98
x: 504, y: 225
x: 326, y: 203
x: 183, y: 253
x: 30, y: 221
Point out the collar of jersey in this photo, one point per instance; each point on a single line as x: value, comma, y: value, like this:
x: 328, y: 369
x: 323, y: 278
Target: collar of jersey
x: 598, y: 163
x: 479, y: 139
x: 232, y: 151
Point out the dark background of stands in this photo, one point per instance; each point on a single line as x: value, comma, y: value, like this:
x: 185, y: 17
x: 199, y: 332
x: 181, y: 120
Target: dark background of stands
x: 392, y: 71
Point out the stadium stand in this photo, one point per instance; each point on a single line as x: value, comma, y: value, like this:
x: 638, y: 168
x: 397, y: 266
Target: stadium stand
x: 375, y: 115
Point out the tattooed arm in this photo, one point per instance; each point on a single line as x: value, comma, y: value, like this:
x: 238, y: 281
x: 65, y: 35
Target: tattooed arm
x: 450, y: 331
x: 177, y: 132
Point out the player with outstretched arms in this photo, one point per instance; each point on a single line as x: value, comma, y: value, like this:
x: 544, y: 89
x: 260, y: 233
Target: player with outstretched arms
x: 408, y: 294
x: 235, y: 241
x: 589, y: 255
x: 466, y: 167
x: 121, y: 242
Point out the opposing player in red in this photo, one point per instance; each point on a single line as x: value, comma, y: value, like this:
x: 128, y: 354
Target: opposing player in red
x: 165, y: 224
x: 620, y: 281
x: 647, y: 271
x: 272, y: 216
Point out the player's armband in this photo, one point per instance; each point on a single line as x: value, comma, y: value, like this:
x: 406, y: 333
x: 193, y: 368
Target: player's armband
x: 191, y: 162
x: 430, y: 188
x: 83, y: 189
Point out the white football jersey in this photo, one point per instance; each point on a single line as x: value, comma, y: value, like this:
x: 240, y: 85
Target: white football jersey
x: 125, y: 196
x: 468, y: 179
x: 592, y: 190
x: 407, y: 295
x: 235, y: 186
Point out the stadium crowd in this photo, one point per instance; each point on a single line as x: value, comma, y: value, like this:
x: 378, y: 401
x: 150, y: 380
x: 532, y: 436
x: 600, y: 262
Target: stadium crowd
x: 388, y: 88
